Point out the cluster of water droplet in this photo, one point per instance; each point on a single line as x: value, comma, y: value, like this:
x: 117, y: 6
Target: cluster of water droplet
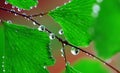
x: 3, y: 66
x: 62, y: 52
x: 96, y: 8
x: 75, y: 51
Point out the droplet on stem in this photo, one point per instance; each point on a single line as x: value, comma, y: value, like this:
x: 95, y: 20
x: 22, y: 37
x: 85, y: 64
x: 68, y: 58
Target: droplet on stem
x: 75, y: 51
x: 19, y: 9
x: 52, y: 36
x: 41, y: 28
x: 34, y: 23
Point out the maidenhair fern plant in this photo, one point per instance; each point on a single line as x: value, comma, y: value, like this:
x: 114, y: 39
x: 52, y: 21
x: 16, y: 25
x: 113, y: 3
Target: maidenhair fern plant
x: 26, y: 50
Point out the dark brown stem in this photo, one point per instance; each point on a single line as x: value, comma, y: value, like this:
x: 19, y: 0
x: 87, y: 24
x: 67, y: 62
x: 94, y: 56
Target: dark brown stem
x: 40, y: 14
x: 61, y: 40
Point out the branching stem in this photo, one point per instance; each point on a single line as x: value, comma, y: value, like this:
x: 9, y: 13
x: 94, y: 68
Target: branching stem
x: 59, y: 39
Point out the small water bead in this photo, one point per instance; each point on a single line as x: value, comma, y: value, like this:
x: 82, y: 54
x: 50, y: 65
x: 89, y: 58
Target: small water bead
x: 60, y: 32
x: 99, y: 1
x: 62, y: 55
x: 75, y: 51
x: 9, y: 21
x: 3, y: 66
x: 44, y: 67
x: 6, y: 3
x: 12, y: 10
x: 19, y: 9
x: 96, y: 8
x: 3, y: 57
x: 31, y: 7
x: 13, y: 6
x: 3, y: 70
x: 52, y: 36
x: 41, y: 28
x: 34, y: 23
x: 61, y: 50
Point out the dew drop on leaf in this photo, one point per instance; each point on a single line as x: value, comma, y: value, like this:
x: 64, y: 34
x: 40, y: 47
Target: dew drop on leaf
x: 60, y: 32
x: 9, y: 21
x: 96, y: 8
x: 75, y: 51
x: 52, y: 36
x: 44, y: 67
x: 41, y: 28
x: 99, y: 1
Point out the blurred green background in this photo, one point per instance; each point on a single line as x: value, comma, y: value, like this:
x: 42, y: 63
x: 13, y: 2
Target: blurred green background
x: 44, y: 6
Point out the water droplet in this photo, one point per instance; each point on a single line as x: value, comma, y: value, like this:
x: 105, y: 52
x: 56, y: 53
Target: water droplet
x: 24, y: 13
x: 31, y: 7
x: 41, y: 16
x: 61, y: 50
x: 15, y: 14
x: 3, y: 66
x: 52, y: 36
x: 19, y: 9
x: 3, y: 57
x: 44, y: 67
x: 9, y: 21
x: 3, y: 70
x: 12, y: 10
x: 35, y: 6
x: 99, y: 1
x: 41, y: 28
x: 96, y: 8
x: 60, y: 32
x: 6, y: 3
x: 75, y: 51
x: 65, y: 3
x: 34, y: 23
x: 87, y: 54
x: 13, y: 6
x: 62, y: 55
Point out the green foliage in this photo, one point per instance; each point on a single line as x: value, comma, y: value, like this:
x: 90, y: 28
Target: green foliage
x: 90, y: 66
x: 75, y: 19
x: 23, y: 4
x: 70, y: 69
x: 24, y: 50
x: 107, y: 29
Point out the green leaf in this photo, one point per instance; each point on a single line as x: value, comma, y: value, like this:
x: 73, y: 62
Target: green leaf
x: 70, y: 69
x: 24, y: 50
x: 90, y: 66
x: 75, y: 19
x: 23, y: 4
x: 107, y: 29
